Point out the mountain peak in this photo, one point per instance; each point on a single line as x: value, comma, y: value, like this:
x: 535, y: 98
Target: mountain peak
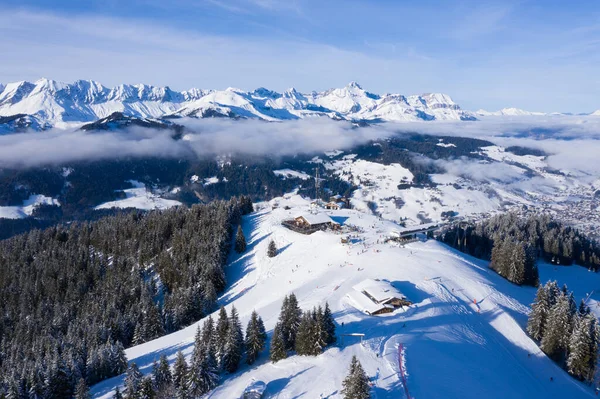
x: 354, y: 85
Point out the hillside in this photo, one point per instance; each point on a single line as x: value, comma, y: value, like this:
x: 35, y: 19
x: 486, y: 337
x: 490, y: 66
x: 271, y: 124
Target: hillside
x: 452, y: 347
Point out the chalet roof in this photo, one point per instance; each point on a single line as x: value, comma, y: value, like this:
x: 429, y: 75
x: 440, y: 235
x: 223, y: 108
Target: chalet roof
x: 361, y: 302
x: 318, y: 218
x: 257, y: 387
x: 381, y: 291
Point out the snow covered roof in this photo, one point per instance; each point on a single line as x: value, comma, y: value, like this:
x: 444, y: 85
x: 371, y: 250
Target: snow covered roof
x: 410, y: 229
x: 361, y: 302
x: 316, y: 218
x: 378, y: 290
x: 256, y: 387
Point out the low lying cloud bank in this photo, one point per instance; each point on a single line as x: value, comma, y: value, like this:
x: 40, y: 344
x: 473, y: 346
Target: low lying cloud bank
x: 572, y: 142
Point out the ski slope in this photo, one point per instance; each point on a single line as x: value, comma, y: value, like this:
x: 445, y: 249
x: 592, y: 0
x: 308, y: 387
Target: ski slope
x: 444, y: 346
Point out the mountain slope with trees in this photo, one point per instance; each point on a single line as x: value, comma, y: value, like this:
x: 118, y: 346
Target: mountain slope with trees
x: 72, y: 297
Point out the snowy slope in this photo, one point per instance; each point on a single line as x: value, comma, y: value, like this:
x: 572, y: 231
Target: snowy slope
x: 452, y: 347
x: 141, y: 198
x: 84, y: 101
x: 29, y: 205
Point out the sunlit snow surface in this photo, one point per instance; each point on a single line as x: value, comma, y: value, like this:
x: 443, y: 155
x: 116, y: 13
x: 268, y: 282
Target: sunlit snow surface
x: 29, y: 205
x: 453, y: 347
x: 141, y: 198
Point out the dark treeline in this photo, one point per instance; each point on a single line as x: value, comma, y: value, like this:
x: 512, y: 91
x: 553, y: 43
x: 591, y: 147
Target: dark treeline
x: 566, y: 333
x: 513, y: 243
x: 81, y: 186
x: 72, y: 297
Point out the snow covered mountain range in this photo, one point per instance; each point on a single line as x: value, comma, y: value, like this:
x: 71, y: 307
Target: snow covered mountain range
x: 48, y: 102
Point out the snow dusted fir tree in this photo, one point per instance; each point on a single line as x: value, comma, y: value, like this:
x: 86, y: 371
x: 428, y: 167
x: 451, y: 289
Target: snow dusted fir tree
x: 256, y: 338
x: 272, y: 251
x: 133, y: 380
x: 118, y: 394
x: 558, y: 328
x: 58, y: 384
x: 221, y: 335
x: 289, y: 318
x: 278, y: 350
x: 583, y: 348
x: 146, y: 389
x: 180, y: 372
x: 82, y: 391
x: 234, y: 343
x: 329, y: 325
x: 240, y: 241
x: 356, y: 383
x: 163, y: 379
x: 203, y: 373
x: 304, y: 336
x: 538, y: 315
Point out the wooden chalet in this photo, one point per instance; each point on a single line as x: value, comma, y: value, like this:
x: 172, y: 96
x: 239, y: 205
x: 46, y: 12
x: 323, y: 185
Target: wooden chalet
x: 315, y: 220
x: 375, y: 297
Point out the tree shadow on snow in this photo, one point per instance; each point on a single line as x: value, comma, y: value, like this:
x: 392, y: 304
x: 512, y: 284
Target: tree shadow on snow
x: 275, y: 387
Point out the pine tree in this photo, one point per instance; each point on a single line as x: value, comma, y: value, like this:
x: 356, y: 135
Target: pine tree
x: 278, y: 350
x: 58, y: 382
x: 583, y: 308
x: 539, y: 314
x: 146, y: 389
x: 240, y: 241
x: 118, y: 394
x: 305, y: 337
x: 583, y: 348
x: 272, y: 251
x: 221, y: 335
x: 234, y: 342
x: 255, y: 338
x: 82, y: 391
x: 319, y: 334
x: 203, y: 376
x: 552, y: 292
x: 290, y: 318
x: 133, y: 381
x: 516, y: 263
x: 499, y: 257
x: 329, y: 325
x: 356, y: 383
x: 208, y: 338
x: 36, y: 382
x: 161, y: 374
x: 558, y: 327
x: 180, y: 372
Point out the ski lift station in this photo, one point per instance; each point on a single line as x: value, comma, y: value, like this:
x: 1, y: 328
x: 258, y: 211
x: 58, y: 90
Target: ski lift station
x: 411, y: 232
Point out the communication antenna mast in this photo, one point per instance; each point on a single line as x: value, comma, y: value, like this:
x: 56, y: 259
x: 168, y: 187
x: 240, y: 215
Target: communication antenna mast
x: 317, y: 185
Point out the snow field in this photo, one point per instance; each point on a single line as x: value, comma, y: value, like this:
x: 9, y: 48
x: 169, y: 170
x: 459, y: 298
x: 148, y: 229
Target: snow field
x: 141, y: 198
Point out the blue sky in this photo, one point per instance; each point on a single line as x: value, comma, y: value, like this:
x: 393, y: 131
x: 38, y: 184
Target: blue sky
x: 536, y: 55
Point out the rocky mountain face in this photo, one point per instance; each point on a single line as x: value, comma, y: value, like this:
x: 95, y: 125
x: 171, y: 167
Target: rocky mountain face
x: 58, y: 104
